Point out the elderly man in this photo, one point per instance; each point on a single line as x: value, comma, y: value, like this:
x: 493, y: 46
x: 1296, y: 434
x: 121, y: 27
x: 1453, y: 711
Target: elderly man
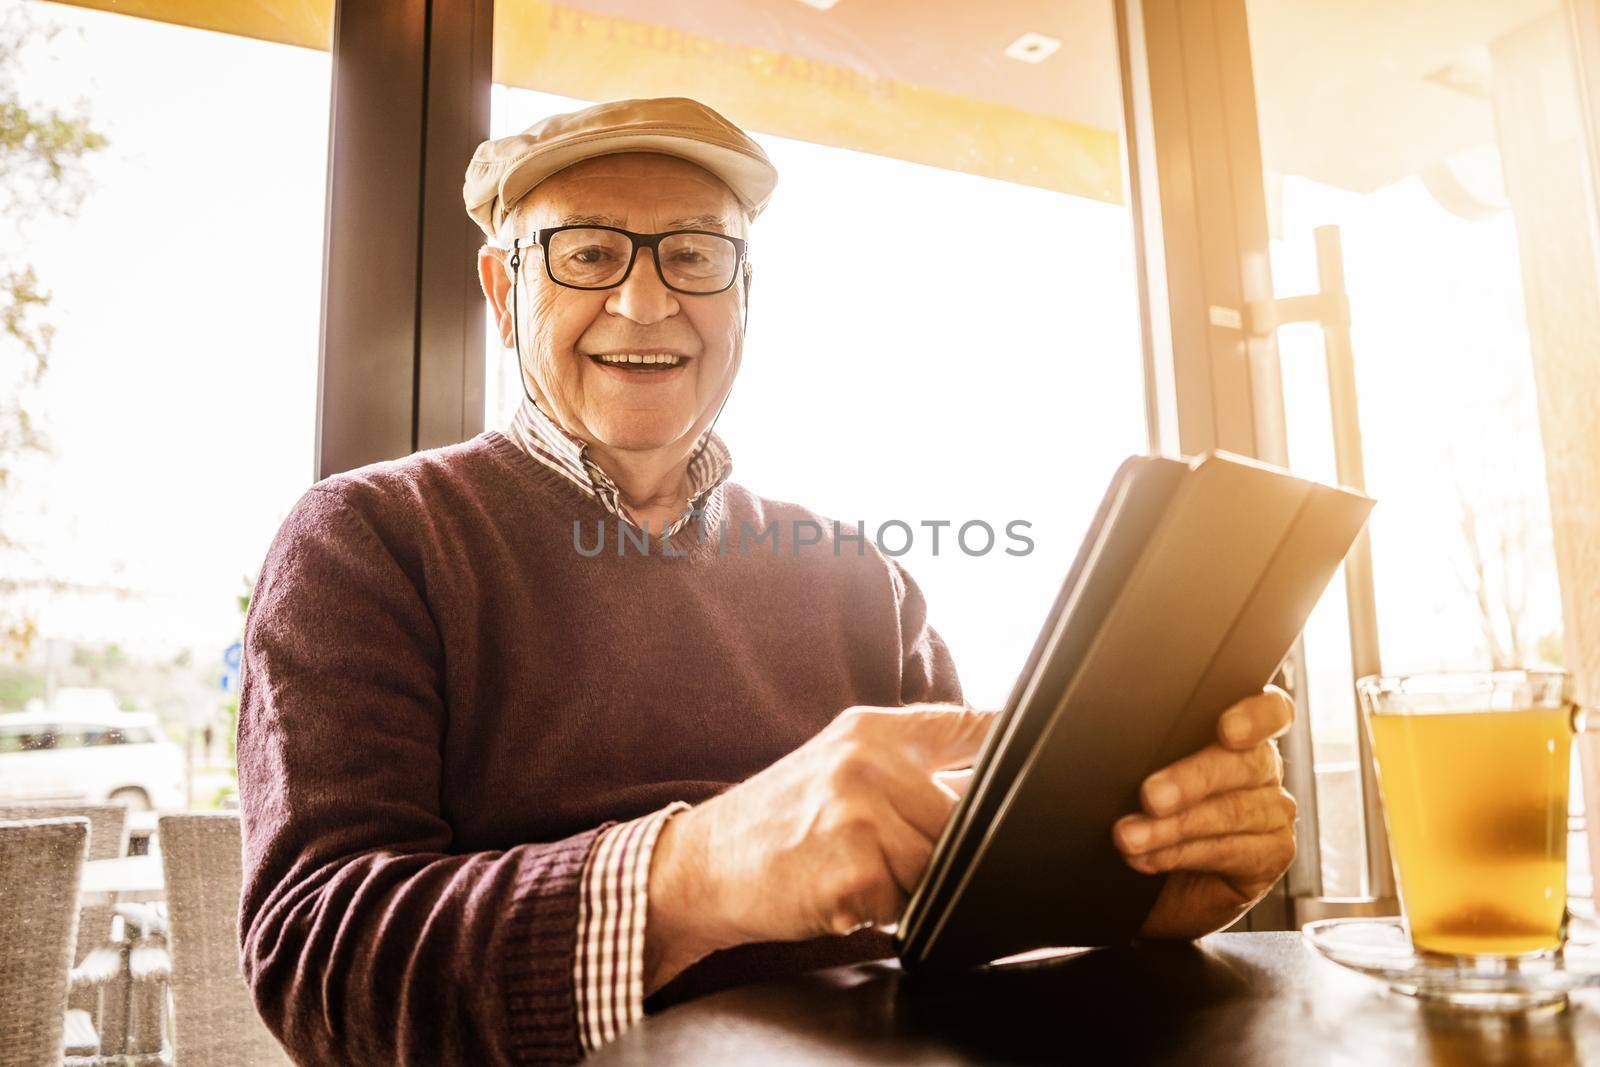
x: 497, y: 792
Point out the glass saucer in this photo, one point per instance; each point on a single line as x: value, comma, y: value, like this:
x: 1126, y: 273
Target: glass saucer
x: 1381, y: 949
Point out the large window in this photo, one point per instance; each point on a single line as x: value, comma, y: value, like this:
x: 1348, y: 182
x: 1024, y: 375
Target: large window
x: 160, y: 408
x: 170, y: 421
x: 1404, y: 136
x: 988, y: 369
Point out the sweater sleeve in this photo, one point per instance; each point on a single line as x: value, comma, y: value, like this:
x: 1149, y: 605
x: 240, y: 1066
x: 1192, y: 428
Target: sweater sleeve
x: 927, y: 671
x: 364, y: 939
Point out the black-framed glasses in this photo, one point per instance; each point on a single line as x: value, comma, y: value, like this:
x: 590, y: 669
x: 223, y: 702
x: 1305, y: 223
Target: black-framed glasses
x: 697, y: 262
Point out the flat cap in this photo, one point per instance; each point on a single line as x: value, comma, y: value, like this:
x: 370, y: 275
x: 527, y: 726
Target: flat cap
x: 504, y: 170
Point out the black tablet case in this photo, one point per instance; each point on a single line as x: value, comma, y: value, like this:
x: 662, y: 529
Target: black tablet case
x: 1188, y: 591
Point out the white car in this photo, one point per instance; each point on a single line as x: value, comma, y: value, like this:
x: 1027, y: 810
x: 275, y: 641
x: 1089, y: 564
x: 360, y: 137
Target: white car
x: 86, y: 749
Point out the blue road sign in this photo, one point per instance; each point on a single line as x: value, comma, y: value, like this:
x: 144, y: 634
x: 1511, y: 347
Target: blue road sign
x: 231, y: 656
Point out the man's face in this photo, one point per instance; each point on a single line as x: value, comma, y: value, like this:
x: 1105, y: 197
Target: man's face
x: 565, y: 331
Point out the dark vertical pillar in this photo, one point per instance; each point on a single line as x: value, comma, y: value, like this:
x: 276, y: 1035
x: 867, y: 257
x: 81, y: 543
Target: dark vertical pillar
x: 1195, y: 175
x: 402, y: 337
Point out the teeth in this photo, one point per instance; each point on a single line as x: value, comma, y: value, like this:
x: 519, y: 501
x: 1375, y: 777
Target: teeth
x: 635, y: 357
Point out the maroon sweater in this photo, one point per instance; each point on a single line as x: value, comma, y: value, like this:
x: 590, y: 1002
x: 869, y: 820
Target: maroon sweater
x: 444, y: 701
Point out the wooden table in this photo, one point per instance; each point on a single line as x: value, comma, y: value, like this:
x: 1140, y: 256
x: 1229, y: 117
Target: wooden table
x: 1239, y: 999
x: 124, y: 880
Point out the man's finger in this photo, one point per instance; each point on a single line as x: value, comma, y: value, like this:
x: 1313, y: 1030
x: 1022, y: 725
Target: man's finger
x: 936, y: 737
x: 917, y: 798
x: 1246, y: 857
x: 957, y: 782
x: 906, y: 851
x: 1212, y: 770
x: 860, y: 882
x: 1256, y: 719
x: 1243, y: 811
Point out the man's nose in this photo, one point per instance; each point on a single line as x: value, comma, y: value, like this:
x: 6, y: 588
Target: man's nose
x: 641, y: 296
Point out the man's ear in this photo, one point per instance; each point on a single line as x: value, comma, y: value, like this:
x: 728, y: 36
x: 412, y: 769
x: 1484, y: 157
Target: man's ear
x: 495, y: 282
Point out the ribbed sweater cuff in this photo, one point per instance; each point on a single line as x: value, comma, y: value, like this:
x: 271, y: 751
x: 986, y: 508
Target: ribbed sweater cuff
x: 540, y: 947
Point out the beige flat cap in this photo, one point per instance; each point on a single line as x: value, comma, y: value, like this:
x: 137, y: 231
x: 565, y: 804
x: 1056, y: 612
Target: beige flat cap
x: 503, y: 171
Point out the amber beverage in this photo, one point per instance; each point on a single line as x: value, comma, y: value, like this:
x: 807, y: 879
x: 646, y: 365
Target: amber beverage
x: 1473, y: 771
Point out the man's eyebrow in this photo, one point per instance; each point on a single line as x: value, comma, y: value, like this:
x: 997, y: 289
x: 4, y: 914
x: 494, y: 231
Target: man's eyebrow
x: 699, y: 222
x: 689, y: 222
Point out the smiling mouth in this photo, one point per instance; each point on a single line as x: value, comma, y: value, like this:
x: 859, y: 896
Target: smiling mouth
x: 640, y: 362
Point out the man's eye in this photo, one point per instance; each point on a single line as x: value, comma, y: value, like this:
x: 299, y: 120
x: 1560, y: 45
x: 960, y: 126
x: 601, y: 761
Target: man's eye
x: 688, y: 255
x: 592, y: 254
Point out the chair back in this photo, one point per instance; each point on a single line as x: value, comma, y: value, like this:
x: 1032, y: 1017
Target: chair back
x: 214, y: 1018
x: 108, y: 823
x: 41, y: 862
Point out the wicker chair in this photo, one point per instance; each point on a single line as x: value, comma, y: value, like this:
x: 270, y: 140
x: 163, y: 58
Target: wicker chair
x: 214, y: 1018
x: 103, y: 996
x: 41, y: 863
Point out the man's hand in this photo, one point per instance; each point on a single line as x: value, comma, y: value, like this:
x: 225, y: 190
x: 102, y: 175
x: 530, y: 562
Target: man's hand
x: 832, y: 837
x: 1219, y: 821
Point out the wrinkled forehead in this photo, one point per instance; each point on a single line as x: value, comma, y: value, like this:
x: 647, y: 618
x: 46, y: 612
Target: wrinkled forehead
x: 641, y: 191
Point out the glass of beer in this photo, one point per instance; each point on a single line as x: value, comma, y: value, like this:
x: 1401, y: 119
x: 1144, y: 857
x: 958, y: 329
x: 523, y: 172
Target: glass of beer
x: 1473, y: 769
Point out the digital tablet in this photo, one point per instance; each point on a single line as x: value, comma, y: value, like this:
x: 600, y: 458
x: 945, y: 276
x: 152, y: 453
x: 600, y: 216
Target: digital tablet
x: 1189, y: 589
